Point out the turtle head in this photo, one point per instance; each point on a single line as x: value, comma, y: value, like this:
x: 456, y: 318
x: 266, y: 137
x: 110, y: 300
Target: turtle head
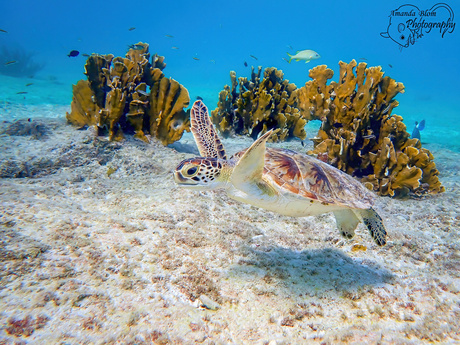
x: 202, y: 173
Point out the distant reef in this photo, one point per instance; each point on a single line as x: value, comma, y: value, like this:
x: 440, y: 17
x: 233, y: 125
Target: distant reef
x: 19, y: 62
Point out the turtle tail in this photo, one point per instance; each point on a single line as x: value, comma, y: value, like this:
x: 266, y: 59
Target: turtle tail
x: 375, y: 225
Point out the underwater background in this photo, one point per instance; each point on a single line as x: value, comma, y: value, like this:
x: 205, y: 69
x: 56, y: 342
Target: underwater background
x: 203, y: 41
x: 99, y: 245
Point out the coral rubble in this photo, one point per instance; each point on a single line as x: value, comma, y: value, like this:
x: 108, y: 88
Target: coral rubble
x: 360, y: 136
x: 253, y: 107
x: 27, y: 127
x: 116, y: 97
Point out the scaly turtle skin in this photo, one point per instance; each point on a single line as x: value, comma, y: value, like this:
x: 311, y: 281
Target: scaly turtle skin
x: 278, y: 180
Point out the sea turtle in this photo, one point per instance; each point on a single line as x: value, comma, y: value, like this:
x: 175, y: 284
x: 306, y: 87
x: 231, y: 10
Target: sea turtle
x: 278, y: 180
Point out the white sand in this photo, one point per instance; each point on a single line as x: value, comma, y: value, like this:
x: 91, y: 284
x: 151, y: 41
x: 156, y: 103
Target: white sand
x: 92, y: 259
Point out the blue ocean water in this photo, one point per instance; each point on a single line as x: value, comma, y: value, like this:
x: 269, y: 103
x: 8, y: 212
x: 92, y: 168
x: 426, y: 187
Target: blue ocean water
x: 224, y: 35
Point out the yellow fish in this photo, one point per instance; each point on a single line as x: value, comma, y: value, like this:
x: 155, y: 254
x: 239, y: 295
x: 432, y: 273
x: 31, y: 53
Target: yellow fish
x: 358, y: 247
x: 304, y: 55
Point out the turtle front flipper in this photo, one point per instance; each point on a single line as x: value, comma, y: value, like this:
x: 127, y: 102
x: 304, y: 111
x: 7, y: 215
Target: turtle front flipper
x: 347, y: 221
x: 204, y: 132
x: 247, y: 174
x: 375, y: 225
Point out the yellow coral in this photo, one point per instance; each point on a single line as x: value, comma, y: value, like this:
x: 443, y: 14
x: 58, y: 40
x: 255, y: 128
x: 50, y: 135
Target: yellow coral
x: 115, y: 107
x: 360, y: 136
x: 117, y: 88
x: 95, y: 68
x: 256, y: 105
x: 84, y: 110
x: 136, y: 111
x: 166, y: 103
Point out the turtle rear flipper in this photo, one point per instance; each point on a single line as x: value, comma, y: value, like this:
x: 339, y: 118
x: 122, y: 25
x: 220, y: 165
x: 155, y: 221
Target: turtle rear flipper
x: 375, y: 225
x: 347, y: 221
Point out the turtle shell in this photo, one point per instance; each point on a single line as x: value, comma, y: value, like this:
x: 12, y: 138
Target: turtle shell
x: 313, y: 179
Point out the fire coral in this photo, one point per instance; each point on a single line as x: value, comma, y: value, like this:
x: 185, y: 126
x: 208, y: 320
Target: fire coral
x: 258, y: 105
x: 116, y: 97
x: 360, y: 136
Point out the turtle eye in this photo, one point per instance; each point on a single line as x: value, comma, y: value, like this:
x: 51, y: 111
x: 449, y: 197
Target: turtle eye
x: 190, y: 171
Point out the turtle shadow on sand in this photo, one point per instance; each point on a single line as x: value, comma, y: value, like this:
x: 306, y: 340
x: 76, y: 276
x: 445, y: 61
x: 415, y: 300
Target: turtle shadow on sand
x: 311, y: 271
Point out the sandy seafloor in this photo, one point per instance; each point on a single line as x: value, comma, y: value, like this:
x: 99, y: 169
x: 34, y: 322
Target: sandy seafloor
x: 88, y: 258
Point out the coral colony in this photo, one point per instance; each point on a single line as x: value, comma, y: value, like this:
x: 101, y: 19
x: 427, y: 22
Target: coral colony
x: 115, y: 97
x: 359, y: 134
x: 260, y: 105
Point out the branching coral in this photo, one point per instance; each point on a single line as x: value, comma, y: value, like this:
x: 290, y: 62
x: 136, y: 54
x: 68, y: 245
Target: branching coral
x: 253, y: 107
x: 360, y: 136
x: 116, y: 97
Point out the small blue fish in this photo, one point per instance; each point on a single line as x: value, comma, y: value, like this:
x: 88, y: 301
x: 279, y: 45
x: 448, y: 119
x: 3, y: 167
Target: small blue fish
x: 418, y: 127
x: 73, y: 53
